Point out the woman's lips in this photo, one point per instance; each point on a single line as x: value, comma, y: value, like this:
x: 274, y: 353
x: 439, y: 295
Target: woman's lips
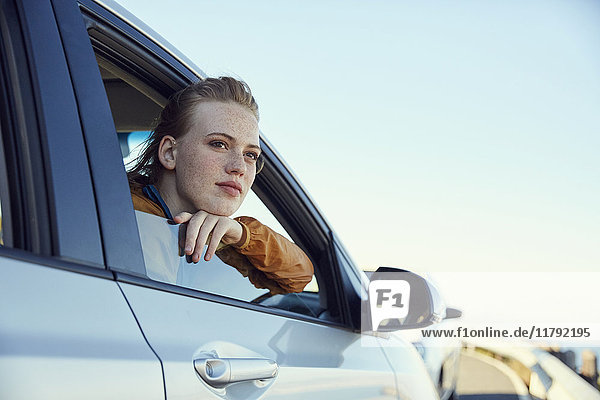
x: 230, y: 187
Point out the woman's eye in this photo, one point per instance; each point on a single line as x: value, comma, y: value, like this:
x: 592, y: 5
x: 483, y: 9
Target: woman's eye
x: 252, y: 155
x: 218, y: 144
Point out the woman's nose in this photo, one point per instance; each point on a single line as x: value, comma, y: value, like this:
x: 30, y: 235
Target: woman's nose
x: 236, y: 164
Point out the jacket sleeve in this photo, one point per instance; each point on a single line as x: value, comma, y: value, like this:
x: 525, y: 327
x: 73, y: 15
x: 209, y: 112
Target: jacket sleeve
x: 268, y: 259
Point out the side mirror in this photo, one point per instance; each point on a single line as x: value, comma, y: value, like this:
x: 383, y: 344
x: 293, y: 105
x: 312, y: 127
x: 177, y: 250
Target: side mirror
x: 424, y: 307
x: 453, y: 313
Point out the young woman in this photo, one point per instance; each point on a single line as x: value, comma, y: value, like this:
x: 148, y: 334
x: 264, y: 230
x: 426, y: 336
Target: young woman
x: 197, y: 167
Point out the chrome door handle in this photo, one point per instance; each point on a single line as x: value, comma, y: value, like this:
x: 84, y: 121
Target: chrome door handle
x: 220, y: 372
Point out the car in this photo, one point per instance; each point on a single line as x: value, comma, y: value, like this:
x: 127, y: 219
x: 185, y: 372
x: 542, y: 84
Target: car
x: 82, y: 314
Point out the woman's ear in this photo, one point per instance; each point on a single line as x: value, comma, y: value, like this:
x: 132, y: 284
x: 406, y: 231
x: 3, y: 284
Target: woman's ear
x: 167, y: 153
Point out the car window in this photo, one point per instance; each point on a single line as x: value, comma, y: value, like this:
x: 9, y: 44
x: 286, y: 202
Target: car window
x: 254, y: 207
x: 135, y: 105
x: 166, y: 263
x: 223, y: 279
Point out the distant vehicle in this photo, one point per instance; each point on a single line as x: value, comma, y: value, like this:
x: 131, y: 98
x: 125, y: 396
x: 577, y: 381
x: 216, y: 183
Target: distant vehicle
x: 80, y: 317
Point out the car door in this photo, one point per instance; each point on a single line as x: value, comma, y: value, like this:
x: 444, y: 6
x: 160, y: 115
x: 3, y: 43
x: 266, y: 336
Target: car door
x: 289, y: 347
x: 194, y: 327
x: 66, y: 330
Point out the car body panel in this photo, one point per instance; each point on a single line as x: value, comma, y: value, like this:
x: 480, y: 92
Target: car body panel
x: 440, y: 355
x: 313, y: 358
x: 412, y: 378
x: 68, y: 335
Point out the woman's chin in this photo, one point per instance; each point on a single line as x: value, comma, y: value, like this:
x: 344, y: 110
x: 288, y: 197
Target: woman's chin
x: 221, y: 209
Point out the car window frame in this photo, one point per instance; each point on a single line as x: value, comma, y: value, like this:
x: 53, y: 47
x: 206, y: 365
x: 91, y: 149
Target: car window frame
x: 53, y: 209
x: 288, y: 189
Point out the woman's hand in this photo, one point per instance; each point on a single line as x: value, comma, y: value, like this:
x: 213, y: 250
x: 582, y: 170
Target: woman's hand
x: 200, y: 226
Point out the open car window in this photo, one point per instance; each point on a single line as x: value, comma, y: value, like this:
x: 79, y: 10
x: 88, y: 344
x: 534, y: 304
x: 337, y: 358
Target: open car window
x: 165, y: 262
x: 136, y: 95
x: 159, y: 237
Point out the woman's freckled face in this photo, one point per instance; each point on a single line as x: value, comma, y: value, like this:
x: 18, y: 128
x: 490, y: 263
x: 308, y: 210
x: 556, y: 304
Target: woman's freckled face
x: 217, y: 153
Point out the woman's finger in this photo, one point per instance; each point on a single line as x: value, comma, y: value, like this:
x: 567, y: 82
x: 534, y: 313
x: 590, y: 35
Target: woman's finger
x: 218, y: 232
x: 207, y: 227
x: 193, y: 228
x: 183, y: 217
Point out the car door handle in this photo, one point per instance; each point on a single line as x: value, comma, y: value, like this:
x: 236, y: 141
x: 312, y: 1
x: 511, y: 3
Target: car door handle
x: 220, y: 372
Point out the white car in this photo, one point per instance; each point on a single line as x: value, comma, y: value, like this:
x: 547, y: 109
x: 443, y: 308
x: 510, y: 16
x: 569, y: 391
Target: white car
x: 81, y: 315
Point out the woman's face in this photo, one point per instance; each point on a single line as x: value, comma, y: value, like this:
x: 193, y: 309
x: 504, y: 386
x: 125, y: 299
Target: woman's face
x: 215, y: 161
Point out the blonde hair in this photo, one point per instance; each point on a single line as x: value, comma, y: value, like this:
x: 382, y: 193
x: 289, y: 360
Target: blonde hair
x: 176, y: 118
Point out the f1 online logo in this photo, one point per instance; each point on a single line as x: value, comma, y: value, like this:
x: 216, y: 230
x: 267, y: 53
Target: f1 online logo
x: 388, y: 299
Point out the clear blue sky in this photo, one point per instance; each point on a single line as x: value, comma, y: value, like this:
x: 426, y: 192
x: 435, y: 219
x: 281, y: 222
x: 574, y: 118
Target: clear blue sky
x: 447, y: 135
